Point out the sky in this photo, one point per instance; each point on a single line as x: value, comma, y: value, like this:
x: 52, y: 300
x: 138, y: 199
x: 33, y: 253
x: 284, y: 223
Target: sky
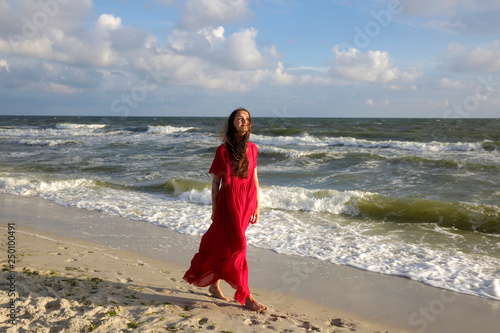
x: 277, y: 58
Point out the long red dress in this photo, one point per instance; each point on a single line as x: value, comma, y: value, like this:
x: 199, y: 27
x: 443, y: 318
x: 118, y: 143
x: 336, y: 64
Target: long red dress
x: 223, y: 248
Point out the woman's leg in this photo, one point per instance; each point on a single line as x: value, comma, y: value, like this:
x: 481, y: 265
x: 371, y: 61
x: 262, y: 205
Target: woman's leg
x: 215, y: 290
x: 252, y: 304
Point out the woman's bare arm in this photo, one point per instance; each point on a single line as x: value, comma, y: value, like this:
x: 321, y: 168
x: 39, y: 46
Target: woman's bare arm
x: 256, y: 215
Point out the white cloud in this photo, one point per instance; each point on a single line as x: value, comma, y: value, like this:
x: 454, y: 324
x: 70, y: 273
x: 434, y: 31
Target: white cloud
x: 38, y: 75
x: 447, y: 8
x: 447, y: 83
x: 372, y: 66
x: 196, y: 42
x: 460, y: 59
x: 108, y: 22
x: 202, y: 13
x: 238, y: 51
x: 202, y: 57
x: 29, y: 18
x: 52, y: 31
x: 272, y: 51
x: 59, y: 88
x: 370, y: 102
x: 4, y: 64
x: 280, y: 77
x: 213, y: 36
x: 241, y: 50
x: 434, y: 8
x: 465, y: 16
x: 165, y: 2
x: 181, y: 70
x: 455, y: 48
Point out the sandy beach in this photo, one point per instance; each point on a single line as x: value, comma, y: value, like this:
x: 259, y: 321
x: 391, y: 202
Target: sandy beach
x: 82, y: 271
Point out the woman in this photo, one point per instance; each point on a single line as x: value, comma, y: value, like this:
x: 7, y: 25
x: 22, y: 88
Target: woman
x: 235, y: 204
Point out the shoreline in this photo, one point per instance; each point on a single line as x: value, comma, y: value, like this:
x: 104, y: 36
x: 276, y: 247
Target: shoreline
x: 318, y: 290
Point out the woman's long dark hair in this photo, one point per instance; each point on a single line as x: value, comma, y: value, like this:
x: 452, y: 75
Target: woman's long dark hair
x: 237, y: 144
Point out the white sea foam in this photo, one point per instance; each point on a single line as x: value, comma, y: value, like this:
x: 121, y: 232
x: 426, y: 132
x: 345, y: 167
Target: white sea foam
x: 34, y: 142
x: 43, y: 189
x: 203, y: 197
x: 167, y: 129
x: 307, y: 140
x: 294, y: 199
x: 304, y: 140
x: 297, y: 199
x: 406, y: 145
x: 60, y: 132
x: 20, y: 155
x: 292, y: 153
x: 80, y: 126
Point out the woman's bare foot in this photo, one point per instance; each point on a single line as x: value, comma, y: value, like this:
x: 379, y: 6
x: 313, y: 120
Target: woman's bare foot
x: 252, y: 304
x: 215, y: 290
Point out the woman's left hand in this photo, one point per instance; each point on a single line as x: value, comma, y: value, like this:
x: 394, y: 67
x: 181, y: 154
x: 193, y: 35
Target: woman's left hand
x: 255, y: 217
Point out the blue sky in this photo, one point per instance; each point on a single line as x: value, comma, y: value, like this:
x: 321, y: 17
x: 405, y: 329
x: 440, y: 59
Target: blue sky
x: 278, y: 58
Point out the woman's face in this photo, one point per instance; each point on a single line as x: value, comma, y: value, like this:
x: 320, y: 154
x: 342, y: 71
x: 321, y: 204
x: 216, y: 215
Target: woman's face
x: 242, y: 122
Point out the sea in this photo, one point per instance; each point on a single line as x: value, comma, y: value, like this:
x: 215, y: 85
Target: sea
x: 416, y: 198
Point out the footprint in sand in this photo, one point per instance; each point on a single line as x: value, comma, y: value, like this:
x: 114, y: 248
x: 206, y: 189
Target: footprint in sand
x: 54, y: 305
x: 71, y: 260
x: 54, y: 254
x: 252, y: 322
x: 123, y: 279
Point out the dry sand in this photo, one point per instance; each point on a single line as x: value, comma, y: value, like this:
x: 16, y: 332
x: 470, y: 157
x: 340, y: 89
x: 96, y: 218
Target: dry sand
x: 68, y: 285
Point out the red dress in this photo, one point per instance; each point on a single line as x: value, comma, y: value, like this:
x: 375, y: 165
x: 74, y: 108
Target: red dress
x: 223, y: 248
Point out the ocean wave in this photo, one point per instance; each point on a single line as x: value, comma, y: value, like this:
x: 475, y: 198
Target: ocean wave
x: 35, y: 142
x: 277, y: 197
x: 114, y: 199
x: 41, y: 188
x: 271, y: 151
x: 491, y: 145
x: 176, y: 186
x: 458, y: 215
x: 165, y: 129
x: 434, y: 146
x: 371, y: 206
x: 80, y: 126
x: 484, y: 165
x: 300, y: 199
x: 56, y: 133
x: 375, y: 207
x: 304, y: 140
